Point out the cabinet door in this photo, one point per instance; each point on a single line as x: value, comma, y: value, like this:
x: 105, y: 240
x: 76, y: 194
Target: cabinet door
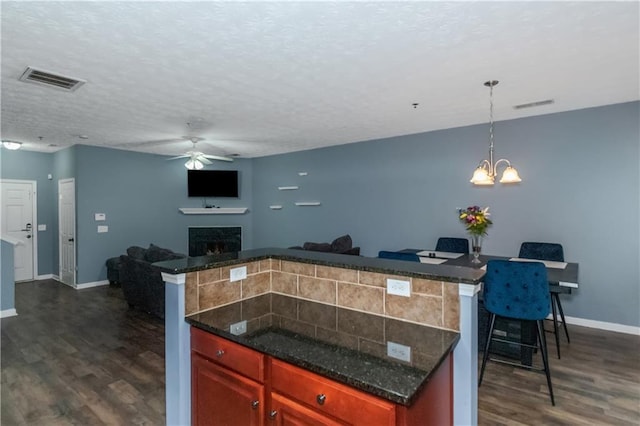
x: 331, y: 398
x: 285, y: 412
x: 221, y: 397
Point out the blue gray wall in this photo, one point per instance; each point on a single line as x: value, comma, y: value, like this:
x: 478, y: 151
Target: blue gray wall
x: 581, y: 188
x: 7, y: 277
x: 581, y: 185
x: 140, y: 195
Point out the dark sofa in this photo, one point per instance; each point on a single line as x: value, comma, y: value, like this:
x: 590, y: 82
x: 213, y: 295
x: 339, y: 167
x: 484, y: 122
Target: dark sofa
x: 141, y: 282
x: 341, y: 245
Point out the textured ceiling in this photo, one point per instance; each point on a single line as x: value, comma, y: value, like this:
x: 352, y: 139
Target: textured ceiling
x: 263, y: 78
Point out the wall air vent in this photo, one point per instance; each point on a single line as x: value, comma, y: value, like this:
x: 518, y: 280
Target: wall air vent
x: 36, y: 76
x: 534, y: 104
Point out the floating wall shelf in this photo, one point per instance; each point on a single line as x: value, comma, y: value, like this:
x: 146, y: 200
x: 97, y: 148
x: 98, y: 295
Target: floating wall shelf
x: 307, y: 203
x: 287, y: 188
x: 214, y: 210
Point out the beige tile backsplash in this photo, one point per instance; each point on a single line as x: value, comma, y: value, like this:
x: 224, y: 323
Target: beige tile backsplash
x: 433, y: 303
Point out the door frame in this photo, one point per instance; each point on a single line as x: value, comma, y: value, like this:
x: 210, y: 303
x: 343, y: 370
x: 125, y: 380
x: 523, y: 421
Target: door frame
x: 34, y: 220
x: 75, y: 247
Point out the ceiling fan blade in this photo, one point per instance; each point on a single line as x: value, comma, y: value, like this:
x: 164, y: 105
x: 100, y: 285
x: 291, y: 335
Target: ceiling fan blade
x: 203, y: 159
x: 158, y: 142
x: 178, y: 157
x: 217, y: 157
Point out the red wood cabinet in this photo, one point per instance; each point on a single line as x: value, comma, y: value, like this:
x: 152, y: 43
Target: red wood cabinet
x: 236, y: 386
x: 220, y: 396
x: 285, y: 412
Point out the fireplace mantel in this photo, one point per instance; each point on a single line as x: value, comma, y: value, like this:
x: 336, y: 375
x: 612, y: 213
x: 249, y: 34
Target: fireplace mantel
x: 213, y: 210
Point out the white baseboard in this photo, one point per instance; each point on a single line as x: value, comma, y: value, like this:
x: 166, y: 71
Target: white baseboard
x: 601, y: 325
x: 92, y: 284
x: 8, y: 313
x: 46, y: 277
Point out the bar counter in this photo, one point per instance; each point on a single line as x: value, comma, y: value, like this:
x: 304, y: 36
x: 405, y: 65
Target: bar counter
x: 443, y: 301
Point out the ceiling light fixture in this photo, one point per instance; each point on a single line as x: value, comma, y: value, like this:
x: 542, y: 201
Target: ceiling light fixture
x: 12, y: 145
x: 487, y: 170
x: 193, y: 164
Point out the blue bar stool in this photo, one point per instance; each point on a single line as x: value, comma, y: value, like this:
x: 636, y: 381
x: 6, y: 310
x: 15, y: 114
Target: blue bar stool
x: 453, y: 245
x: 517, y: 290
x: 554, y: 252
x: 410, y: 257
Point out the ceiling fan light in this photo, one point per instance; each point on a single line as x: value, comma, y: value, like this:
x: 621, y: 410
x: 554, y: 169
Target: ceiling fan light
x: 510, y: 175
x: 193, y: 164
x: 481, y: 177
x: 11, y: 145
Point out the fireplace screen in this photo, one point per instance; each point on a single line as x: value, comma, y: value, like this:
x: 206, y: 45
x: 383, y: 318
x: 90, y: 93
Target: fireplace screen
x: 204, y: 241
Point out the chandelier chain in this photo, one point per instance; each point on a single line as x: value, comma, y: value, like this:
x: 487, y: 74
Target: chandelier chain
x: 491, y: 115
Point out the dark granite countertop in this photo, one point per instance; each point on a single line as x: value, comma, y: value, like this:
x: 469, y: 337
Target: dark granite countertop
x: 347, y: 346
x: 450, y: 273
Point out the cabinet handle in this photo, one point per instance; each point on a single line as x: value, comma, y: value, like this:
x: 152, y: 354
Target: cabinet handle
x: 219, y: 353
x: 273, y: 414
x: 255, y: 404
x: 320, y: 399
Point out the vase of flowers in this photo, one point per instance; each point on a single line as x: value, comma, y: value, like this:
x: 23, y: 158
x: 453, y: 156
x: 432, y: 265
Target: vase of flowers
x: 476, y: 221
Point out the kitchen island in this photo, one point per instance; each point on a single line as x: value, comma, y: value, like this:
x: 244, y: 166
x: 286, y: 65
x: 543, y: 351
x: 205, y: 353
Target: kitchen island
x: 441, y: 299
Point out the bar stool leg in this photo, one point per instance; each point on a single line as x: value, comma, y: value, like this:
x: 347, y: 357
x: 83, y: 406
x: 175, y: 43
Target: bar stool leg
x: 555, y: 325
x: 545, y: 358
x: 556, y: 296
x: 487, y: 346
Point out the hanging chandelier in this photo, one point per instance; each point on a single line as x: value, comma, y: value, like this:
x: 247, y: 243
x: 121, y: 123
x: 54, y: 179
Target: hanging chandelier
x: 487, y: 170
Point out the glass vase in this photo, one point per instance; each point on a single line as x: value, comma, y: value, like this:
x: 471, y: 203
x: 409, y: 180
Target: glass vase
x: 476, y: 247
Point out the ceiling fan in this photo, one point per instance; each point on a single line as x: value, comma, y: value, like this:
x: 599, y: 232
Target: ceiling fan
x: 196, y: 159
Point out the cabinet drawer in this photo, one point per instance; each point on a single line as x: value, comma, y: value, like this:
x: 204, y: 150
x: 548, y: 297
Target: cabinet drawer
x: 340, y: 401
x: 228, y: 354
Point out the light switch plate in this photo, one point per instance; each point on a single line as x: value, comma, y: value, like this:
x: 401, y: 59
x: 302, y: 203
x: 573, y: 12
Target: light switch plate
x: 398, y: 287
x: 398, y: 351
x: 42, y: 227
x: 100, y: 217
x: 102, y: 229
x: 238, y: 328
x: 238, y: 274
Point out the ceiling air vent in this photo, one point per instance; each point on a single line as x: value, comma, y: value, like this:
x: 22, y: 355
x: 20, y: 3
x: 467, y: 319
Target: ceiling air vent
x: 33, y: 75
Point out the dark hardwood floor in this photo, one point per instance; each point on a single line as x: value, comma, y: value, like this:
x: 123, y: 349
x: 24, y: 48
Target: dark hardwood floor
x: 81, y: 357
x: 597, y: 382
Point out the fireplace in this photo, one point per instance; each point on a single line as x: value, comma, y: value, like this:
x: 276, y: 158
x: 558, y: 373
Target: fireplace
x: 205, y: 241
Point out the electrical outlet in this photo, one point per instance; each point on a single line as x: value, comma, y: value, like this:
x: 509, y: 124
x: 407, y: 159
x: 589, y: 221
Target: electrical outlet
x: 398, y: 287
x: 238, y: 274
x: 398, y: 351
x: 238, y: 328
x: 102, y: 229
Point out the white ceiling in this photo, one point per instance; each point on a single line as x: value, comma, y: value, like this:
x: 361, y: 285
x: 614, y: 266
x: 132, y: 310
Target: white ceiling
x: 263, y: 78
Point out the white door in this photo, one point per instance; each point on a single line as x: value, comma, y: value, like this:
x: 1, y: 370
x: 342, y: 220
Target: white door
x: 67, y: 230
x: 18, y: 207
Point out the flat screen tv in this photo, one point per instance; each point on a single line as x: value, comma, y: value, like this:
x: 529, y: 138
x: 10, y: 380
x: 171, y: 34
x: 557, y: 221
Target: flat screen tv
x: 212, y: 183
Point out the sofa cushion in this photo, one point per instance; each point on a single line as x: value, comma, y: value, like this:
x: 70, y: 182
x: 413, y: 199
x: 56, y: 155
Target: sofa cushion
x: 353, y: 250
x: 157, y: 254
x: 326, y: 247
x: 341, y: 244
x: 137, y: 252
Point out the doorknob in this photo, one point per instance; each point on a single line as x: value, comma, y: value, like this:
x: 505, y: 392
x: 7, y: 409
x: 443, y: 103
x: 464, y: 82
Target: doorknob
x: 29, y: 236
x: 71, y: 240
x: 28, y: 227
